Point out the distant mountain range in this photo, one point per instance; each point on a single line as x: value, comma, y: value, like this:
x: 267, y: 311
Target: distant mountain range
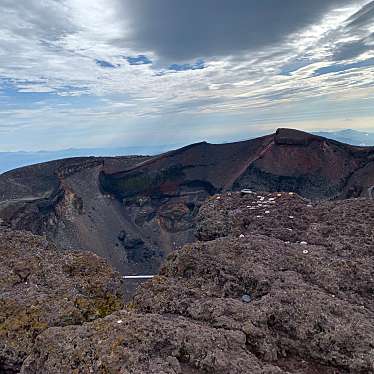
x: 349, y: 136
x: 13, y: 160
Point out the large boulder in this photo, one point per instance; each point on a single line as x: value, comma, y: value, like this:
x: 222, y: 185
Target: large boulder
x: 41, y: 286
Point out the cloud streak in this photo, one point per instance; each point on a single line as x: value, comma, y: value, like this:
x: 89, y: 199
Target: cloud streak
x: 81, y: 65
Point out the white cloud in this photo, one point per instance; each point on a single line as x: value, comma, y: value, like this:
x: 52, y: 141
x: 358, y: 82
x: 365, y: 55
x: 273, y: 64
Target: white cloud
x: 52, y: 47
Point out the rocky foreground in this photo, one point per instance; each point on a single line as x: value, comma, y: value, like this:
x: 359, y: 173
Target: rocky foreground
x: 42, y: 287
x: 275, y: 284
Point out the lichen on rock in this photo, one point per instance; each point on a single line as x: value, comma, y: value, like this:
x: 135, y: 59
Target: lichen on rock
x: 41, y: 287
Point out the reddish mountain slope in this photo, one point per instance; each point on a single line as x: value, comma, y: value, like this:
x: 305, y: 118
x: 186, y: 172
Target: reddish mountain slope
x: 134, y: 210
x: 289, y: 160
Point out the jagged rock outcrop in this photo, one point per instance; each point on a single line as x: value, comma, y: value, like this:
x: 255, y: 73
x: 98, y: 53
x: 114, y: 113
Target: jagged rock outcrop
x: 276, y: 284
x: 42, y: 286
x: 90, y: 203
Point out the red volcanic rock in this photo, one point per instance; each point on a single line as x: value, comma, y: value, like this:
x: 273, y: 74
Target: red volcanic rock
x: 293, y: 137
x: 87, y: 203
x: 289, y: 160
x: 252, y: 297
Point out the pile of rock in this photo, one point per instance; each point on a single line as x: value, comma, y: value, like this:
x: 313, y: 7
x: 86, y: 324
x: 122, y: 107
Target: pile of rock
x: 262, y: 296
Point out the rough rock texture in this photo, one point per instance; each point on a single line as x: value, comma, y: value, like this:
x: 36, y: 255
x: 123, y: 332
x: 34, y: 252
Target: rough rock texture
x: 277, y: 284
x: 289, y: 217
x: 136, y: 210
x: 132, y: 343
x: 41, y: 286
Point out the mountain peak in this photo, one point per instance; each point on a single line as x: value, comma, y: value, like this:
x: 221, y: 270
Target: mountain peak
x: 285, y: 136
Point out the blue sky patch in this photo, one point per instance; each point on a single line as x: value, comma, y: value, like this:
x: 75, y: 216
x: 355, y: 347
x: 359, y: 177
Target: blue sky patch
x: 290, y: 68
x: 11, y: 96
x: 198, y: 65
x: 337, y: 68
x: 139, y: 60
x: 9, y: 93
x: 106, y: 64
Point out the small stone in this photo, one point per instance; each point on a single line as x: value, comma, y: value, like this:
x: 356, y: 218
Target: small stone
x: 279, y: 195
x: 246, y: 299
x: 241, y: 236
x: 119, y: 321
x: 291, y: 217
x: 303, y: 243
x: 305, y: 251
x: 246, y: 192
x: 267, y: 212
x: 258, y: 216
x: 291, y: 193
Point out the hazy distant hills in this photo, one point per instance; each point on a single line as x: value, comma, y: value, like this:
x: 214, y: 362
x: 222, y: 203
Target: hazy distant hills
x: 13, y: 160
x: 349, y: 136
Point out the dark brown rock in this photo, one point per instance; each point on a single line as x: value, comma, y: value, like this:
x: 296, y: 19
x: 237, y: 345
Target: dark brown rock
x: 41, y: 286
x: 293, y: 137
x: 310, y: 310
x: 289, y: 217
x: 131, y: 343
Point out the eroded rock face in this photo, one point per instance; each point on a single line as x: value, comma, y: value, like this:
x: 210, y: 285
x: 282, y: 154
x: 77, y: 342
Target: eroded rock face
x: 306, y: 271
x: 41, y: 286
x: 86, y: 203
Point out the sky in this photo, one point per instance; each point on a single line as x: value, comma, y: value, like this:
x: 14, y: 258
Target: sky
x: 110, y: 73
